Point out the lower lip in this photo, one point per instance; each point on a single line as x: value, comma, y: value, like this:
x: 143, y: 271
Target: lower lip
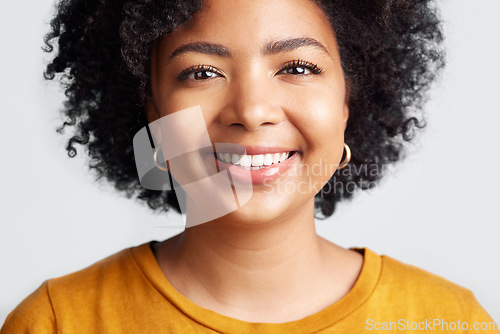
x: 266, y: 174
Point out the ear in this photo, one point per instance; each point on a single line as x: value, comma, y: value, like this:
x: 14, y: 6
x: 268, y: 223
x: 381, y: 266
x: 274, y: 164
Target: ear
x: 346, y: 115
x: 149, y: 103
x: 346, y: 101
x: 151, y: 110
x: 152, y: 116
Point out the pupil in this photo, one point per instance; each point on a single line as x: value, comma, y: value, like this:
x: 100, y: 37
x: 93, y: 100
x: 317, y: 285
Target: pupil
x: 298, y: 70
x: 203, y: 75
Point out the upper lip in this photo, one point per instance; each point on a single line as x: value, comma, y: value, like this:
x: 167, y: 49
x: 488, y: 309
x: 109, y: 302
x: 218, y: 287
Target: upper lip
x: 235, y: 148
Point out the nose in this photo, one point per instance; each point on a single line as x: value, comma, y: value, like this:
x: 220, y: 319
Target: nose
x: 252, y: 103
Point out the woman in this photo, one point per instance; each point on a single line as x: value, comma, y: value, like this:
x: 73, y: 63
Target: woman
x: 309, y: 81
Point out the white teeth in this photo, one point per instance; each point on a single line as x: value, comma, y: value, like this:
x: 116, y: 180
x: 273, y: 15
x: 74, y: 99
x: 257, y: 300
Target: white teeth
x: 257, y: 160
x: 276, y: 158
x: 235, y: 159
x: 246, y: 160
x: 268, y: 159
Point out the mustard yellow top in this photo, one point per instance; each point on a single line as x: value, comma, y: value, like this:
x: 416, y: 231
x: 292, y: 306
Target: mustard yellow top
x: 128, y: 293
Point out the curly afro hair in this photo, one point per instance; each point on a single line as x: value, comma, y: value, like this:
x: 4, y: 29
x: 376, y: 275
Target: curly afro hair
x: 391, y: 52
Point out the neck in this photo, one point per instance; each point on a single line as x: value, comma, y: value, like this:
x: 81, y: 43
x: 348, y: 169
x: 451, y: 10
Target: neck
x: 230, y: 267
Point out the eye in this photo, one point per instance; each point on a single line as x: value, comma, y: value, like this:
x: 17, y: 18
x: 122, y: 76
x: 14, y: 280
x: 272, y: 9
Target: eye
x: 300, y: 68
x: 199, y: 73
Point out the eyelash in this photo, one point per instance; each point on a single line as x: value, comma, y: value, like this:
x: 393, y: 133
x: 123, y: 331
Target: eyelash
x: 198, y: 68
x: 313, y: 68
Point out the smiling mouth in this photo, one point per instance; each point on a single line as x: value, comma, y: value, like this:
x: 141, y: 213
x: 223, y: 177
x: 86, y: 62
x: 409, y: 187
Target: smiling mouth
x: 254, y: 162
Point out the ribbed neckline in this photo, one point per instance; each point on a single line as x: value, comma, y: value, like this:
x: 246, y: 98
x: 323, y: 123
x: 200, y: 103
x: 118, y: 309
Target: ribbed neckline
x: 360, y: 292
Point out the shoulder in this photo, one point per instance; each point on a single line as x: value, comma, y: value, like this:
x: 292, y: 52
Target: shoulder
x: 409, y: 287
x: 416, y: 281
x: 104, y: 282
x: 104, y: 271
x: 76, y: 295
x: 33, y: 315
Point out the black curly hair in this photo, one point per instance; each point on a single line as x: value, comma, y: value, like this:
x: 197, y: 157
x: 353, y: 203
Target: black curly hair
x: 391, y: 52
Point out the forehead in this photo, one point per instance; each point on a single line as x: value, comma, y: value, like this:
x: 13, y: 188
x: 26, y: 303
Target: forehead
x: 245, y: 26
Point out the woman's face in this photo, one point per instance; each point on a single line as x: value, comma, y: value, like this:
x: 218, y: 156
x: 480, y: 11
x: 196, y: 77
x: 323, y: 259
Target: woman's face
x: 265, y: 73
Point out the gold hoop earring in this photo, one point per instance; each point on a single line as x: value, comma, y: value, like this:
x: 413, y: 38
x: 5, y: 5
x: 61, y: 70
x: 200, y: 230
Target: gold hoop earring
x: 347, y: 157
x: 155, y: 158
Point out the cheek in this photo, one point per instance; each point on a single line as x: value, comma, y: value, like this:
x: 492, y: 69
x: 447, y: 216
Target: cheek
x: 320, y: 119
x: 173, y: 100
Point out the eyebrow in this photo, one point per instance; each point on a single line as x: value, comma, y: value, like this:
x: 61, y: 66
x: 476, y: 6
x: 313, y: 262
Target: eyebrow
x: 202, y: 47
x: 271, y: 48
x: 287, y: 45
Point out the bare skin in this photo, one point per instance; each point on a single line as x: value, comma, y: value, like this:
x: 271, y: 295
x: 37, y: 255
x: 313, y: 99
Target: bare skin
x: 263, y: 262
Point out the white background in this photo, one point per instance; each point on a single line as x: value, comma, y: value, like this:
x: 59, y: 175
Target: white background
x: 438, y: 211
